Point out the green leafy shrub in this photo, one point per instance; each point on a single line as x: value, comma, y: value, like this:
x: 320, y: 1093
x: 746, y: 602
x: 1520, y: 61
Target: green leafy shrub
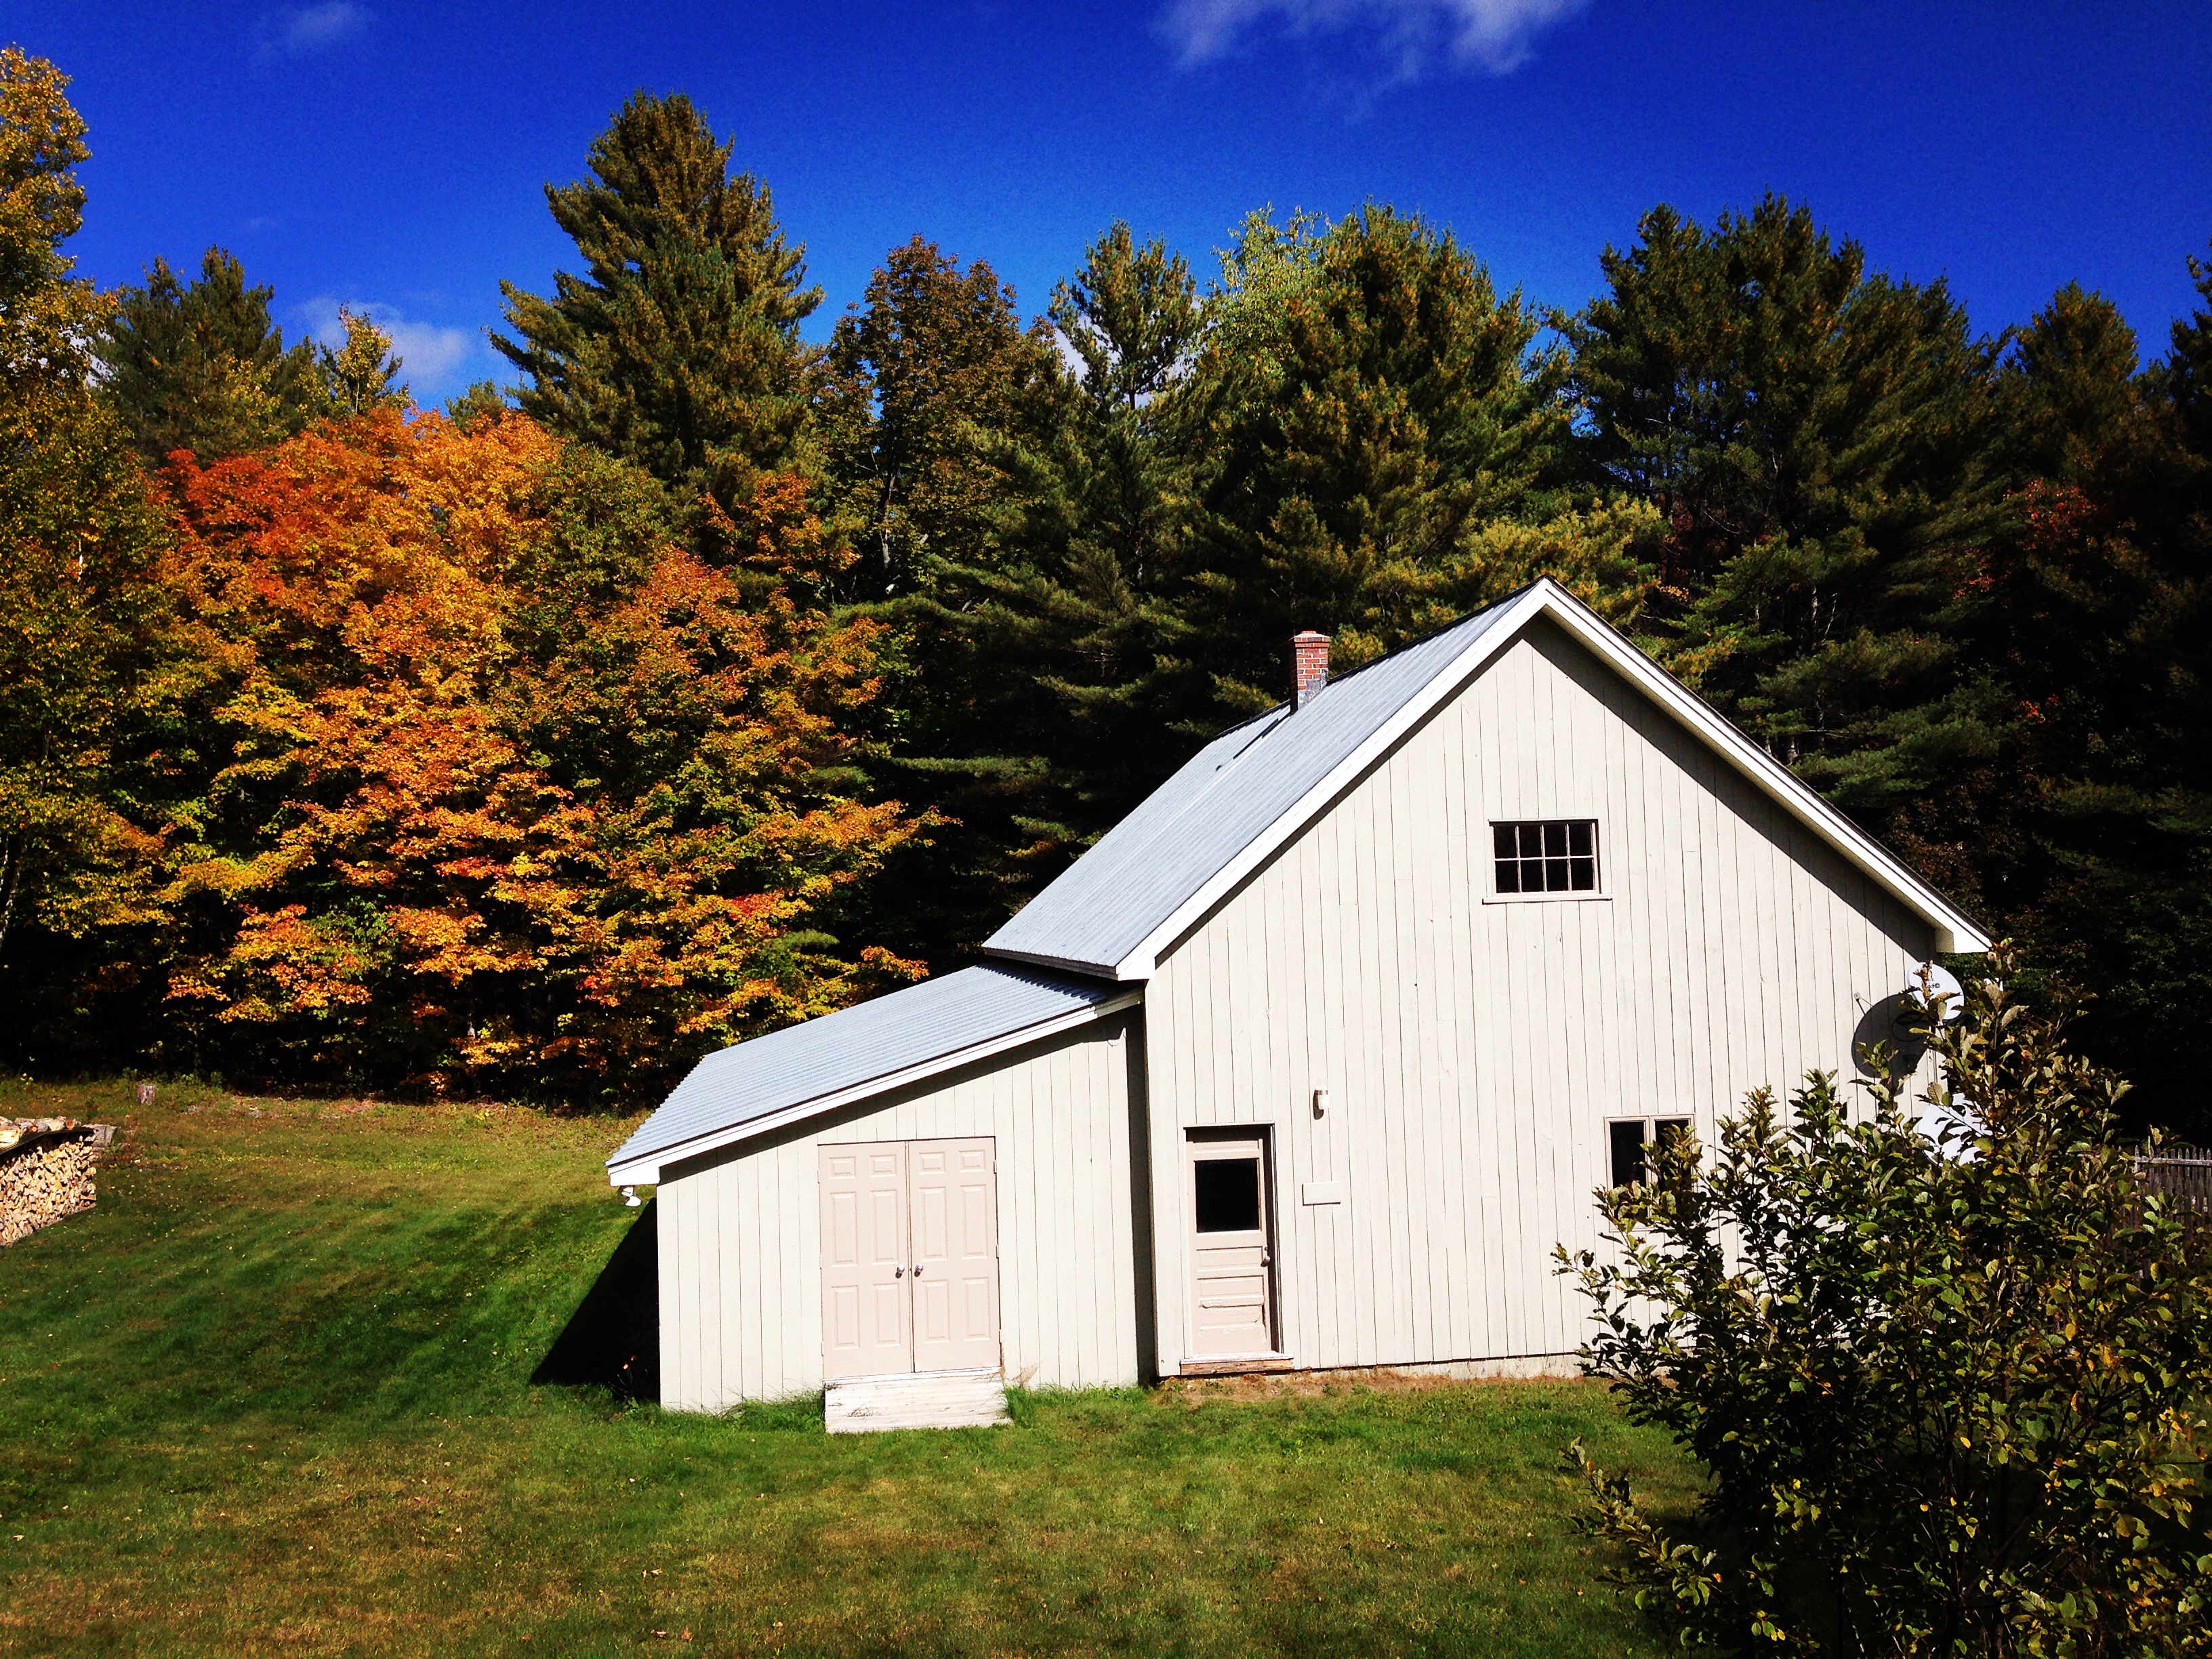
x: 1951, y: 1394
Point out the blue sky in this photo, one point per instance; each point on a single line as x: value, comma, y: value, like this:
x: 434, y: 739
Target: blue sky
x: 393, y: 155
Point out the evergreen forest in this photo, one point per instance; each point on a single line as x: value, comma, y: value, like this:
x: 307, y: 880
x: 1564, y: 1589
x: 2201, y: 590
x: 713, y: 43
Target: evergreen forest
x: 705, y: 678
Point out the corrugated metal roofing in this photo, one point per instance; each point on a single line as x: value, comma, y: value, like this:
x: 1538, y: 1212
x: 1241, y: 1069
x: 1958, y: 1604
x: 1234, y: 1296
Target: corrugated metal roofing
x: 833, y: 1053
x: 1148, y: 866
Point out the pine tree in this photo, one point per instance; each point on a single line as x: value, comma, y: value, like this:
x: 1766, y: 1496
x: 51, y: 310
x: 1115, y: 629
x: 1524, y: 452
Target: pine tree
x: 1364, y: 404
x: 1094, y: 567
x: 1341, y: 437
x: 678, y: 347
x: 1072, y: 654
x: 927, y: 381
x: 200, y: 367
x: 2072, y: 579
x: 2185, y: 378
x: 1086, y: 599
x: 2163, y: 952
x: 1819, y: 443
x: 2095, y: 838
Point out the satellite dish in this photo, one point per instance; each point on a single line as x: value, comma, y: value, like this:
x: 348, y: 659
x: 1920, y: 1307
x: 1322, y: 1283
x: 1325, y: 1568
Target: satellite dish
x: 1940, y: 981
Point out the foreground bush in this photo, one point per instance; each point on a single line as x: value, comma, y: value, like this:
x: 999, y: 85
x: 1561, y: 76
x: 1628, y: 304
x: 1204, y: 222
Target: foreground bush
x: 1951, y: 1394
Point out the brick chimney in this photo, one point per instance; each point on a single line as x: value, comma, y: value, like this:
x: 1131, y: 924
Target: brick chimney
x: 1309, y: 665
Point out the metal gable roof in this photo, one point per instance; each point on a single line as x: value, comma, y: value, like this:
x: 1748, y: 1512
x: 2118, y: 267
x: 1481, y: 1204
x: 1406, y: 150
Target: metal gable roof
x: 1113, y: 898
x: 1241, y: 797
x: 1155, y: 871
x: 867, y: 1048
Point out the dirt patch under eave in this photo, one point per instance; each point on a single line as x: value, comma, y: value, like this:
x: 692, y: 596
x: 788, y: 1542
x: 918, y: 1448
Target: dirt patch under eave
x: 1371, y: 1379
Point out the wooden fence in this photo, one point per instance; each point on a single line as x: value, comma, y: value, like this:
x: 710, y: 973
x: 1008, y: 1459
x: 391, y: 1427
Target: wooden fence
x: 2182, y: 1173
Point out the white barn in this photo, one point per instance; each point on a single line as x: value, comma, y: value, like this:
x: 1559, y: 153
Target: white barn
x: 1310, y: 1062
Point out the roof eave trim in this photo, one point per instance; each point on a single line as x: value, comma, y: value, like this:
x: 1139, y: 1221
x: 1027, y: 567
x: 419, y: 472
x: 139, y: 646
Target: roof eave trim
x: 1954, y: 930
x: 643, y: 1170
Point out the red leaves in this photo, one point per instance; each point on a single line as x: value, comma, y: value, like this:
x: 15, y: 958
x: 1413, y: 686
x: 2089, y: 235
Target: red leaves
x: 523, y: 833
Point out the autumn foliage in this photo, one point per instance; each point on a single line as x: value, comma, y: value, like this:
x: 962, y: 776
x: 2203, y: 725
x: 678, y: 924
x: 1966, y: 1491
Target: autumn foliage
x: 503, y: 787
x: 347, y: 744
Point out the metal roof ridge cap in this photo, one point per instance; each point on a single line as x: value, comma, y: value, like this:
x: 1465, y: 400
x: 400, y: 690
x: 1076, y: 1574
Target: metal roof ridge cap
x: 1207, y: 784
x: 1202, y: 793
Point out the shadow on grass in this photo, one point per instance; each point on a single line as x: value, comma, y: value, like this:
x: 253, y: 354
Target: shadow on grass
x: 613, y: 1339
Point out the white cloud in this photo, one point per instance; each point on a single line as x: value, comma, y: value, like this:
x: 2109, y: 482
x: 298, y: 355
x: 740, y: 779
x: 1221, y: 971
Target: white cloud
x: 1496, y: 35
x: 434, y: 362
x: 310, y: 29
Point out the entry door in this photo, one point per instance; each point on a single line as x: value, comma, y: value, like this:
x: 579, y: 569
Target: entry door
x: 867, y: 1314
x: 1232, y: 1268
x: 955, y: 1256
x: 910, y: 1258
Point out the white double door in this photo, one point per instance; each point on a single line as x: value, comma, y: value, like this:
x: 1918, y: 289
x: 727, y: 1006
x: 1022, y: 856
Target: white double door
x: 909, y: 1257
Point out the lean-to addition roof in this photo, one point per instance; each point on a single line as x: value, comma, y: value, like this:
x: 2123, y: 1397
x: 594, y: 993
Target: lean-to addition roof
x: 1245, y: 794
x: 867, y: 1049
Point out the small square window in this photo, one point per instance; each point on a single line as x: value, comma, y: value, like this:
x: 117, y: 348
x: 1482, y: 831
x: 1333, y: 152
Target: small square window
x: 1545, y: 856
x: 1228, y: 1195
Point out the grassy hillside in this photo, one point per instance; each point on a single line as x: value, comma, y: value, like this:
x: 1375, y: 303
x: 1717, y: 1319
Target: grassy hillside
x: 275, y: 1395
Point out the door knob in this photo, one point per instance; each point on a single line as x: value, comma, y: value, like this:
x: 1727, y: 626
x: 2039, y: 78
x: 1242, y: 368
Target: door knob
x: 917, y: 1270
x: 898, y: 1272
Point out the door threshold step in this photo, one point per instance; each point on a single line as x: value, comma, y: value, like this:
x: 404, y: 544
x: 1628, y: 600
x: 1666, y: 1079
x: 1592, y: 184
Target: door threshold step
x: 927, y: 1399
x: 1238, y: 1367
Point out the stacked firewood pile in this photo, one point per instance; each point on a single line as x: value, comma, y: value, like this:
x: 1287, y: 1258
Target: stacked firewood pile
x: 45, y: 1171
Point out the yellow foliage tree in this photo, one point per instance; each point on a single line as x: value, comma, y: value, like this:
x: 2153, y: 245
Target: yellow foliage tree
x: 83, y: 664
x: 514, y: 791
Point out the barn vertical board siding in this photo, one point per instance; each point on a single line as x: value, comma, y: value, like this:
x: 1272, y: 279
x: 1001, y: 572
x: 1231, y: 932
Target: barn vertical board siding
x: 679, y: 1289
x: 668, y: 1288
x: 740, y: 1269
x: 1473, y: 1048
x: 1121, y: 1274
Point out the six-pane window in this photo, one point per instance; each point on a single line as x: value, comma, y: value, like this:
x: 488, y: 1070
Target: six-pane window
x: 1553, y: 855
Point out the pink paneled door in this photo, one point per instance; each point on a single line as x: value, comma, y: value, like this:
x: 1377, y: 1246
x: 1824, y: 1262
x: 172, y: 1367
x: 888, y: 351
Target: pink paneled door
x: 910, y: 1258
x: 1231, y: 1254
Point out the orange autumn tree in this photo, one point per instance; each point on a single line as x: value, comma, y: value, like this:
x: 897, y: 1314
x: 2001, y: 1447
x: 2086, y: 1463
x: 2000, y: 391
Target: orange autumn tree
x: 513, y: 791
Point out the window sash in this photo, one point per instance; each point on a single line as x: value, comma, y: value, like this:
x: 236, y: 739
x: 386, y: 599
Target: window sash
x: 1629, y: 1142
x: 1544, y: 855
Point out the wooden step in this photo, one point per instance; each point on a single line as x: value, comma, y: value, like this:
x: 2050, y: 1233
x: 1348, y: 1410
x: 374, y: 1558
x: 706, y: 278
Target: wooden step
x: 927, y: 1399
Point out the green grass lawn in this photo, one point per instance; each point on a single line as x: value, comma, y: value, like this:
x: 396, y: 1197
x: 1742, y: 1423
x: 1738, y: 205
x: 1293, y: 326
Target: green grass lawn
x: 275, y: 1394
